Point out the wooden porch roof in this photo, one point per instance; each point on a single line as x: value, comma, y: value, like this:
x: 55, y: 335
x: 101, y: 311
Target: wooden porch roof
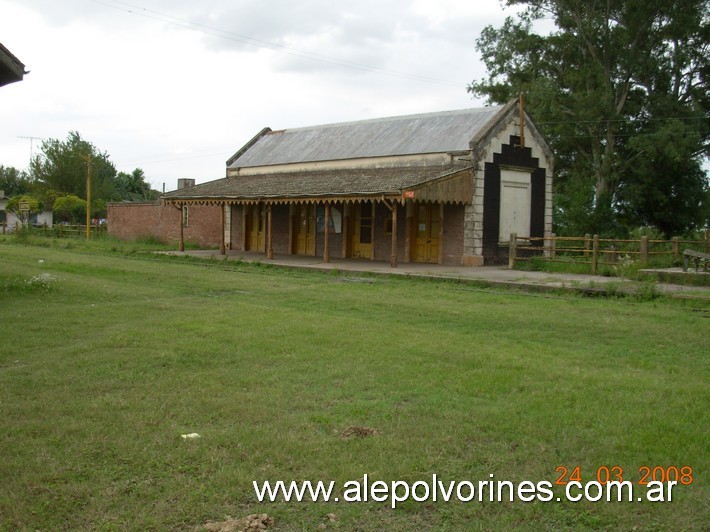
x: 427, y: 184
x: 11, y: 68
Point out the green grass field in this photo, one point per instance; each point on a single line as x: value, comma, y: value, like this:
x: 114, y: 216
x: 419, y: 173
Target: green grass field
x: 109, y: 354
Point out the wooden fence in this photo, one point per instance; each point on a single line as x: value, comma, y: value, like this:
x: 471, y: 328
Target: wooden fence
x: 593, y: 251
x: 56, y: 230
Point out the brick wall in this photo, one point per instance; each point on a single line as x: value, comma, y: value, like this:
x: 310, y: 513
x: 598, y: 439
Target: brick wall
x: 279, y: 228
x: 237, y: 228
x: 128, y: 221
x: 383, y: 242
x: 452, y: 242
x: 452, y: 250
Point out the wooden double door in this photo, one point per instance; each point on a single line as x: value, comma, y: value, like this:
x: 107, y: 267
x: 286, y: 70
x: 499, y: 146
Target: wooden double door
x: 304, y: 230
x: 255, y: 230
x: 426, y: 232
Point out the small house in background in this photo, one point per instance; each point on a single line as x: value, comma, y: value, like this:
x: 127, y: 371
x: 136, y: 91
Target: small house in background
x: 11, y: 68
x: 442, y: 188
x: 8, y: 221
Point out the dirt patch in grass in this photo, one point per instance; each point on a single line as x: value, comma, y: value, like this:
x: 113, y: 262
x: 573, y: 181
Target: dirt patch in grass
x: 250, y: 523
x: 359, y: 432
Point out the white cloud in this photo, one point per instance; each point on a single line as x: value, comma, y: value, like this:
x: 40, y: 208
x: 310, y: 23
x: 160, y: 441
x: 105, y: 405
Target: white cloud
x: 176, y: 87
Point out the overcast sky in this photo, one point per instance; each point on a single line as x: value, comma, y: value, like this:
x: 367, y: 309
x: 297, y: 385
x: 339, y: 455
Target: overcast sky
x: 175, y: 87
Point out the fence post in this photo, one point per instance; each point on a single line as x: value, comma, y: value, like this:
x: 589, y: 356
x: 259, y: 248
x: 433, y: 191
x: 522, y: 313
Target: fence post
x: 676, y: 247
x: 643, y: 249
x: 512, y: 250
x: 613, y: 254
x: 553, y: 245
x: 587, y: 244
x: 595, y: 255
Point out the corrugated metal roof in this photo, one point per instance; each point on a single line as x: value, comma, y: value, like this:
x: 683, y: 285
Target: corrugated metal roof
x: 441, y: 132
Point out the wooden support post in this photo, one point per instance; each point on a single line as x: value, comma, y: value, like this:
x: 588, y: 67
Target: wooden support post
x: 553, y: 246
x: 326, y: 234
x: 408, y: 229
x: 393, y: 251
x: 676, y: 247
x: 587, y: 244
x: 291, y: 229
x: 393, y: 254
x: 269, y: 243
x: 643, y: 248
x: 181, y: 246
x: 440, y: 258
x: 222, y: 246
x: 595, y: 255
x: 345, y: 231
x: 372, y: 230
x: 512, y: 250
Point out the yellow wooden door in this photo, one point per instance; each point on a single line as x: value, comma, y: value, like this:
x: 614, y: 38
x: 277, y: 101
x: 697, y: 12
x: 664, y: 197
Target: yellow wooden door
x: 362, y: 230
x: 305, y: 229
x: 256, y: 223
x: 427, y: 226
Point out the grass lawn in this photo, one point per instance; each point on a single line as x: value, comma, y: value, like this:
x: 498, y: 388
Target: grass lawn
x: 107, y: 358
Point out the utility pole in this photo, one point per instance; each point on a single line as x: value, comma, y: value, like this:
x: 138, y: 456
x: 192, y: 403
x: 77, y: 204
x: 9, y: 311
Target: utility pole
x: 522, y: 120
x: 87, y: 158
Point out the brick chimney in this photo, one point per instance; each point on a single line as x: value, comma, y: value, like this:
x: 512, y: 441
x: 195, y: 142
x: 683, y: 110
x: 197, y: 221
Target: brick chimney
x: 185, y: 182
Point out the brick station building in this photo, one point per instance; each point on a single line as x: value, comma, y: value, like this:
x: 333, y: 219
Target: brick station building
x: 443, y: 188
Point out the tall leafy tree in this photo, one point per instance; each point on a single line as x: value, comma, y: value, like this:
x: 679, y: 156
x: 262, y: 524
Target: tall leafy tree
x: 620, y: 89
x: 61, y: 167
x: 134, y: 187
x: 14, y: 182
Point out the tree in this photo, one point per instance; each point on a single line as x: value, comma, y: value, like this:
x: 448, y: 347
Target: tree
x: 69, y: 208
x: 134, y: 187
x: 14, y: 182
x: 15, y: 204
x: 61, y: 167
x: 620, y: 89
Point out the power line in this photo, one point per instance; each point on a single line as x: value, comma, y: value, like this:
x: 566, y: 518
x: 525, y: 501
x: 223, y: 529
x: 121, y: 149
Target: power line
x: 223, y: 34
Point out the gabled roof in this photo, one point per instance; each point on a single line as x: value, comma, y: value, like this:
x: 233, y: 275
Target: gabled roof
x: 11, y: 68
x: 443, y: 132
x: 271, y: 165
